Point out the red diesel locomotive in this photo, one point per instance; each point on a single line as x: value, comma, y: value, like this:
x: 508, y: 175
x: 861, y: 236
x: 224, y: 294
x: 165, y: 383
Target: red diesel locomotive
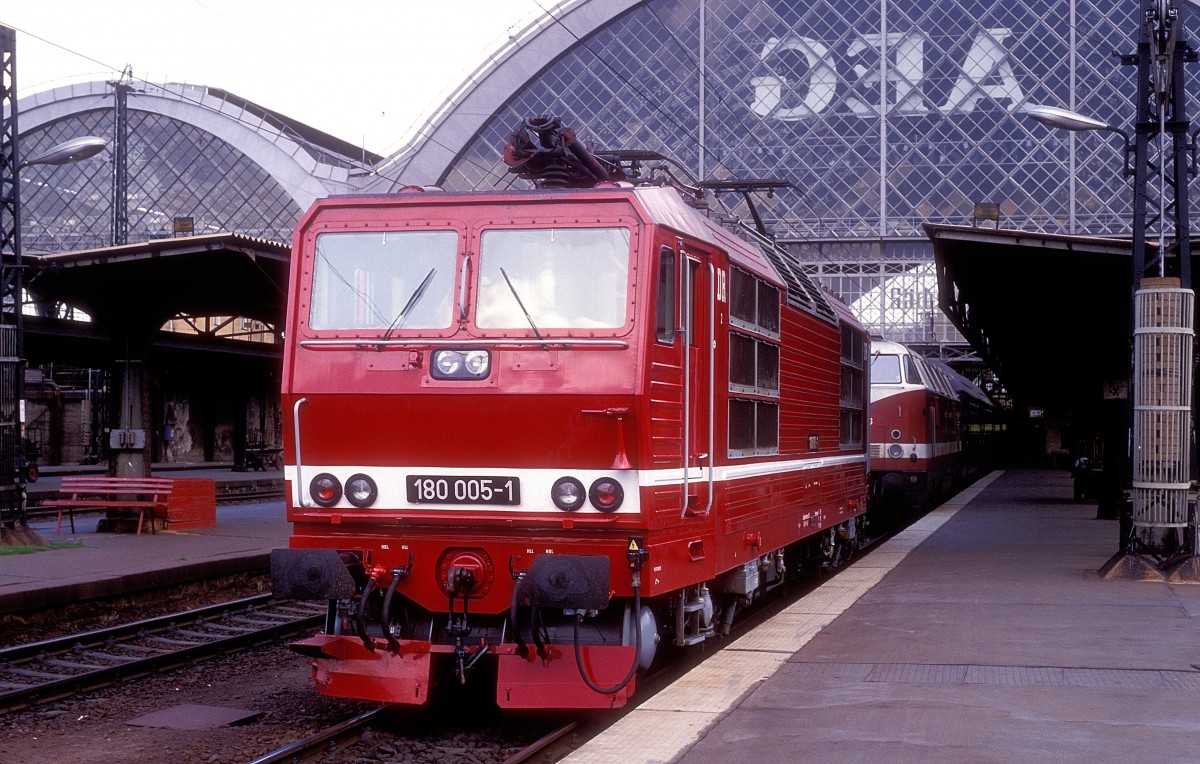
x: 535, y: 435
x: 921, y: 411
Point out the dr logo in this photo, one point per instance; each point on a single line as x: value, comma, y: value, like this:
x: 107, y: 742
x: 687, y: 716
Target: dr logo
x: 985, y: 72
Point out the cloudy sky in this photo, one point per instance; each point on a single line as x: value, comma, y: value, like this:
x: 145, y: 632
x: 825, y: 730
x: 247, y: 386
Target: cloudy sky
x: 362, y: 70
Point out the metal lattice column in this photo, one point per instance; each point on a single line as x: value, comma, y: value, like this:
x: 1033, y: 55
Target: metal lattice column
x: 12, y: 478
x: 1161, y: 171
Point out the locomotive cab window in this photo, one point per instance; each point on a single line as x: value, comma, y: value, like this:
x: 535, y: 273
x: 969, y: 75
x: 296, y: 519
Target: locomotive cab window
x: 885, y: 370
x: 544, y: 279
x: 385, y: 280
x: 912, y: 373
x: 688, y: 293
x: 664, y: 312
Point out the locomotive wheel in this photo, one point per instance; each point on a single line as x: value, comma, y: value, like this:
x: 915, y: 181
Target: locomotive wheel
x: 843, y: 552
x: 834, y: 551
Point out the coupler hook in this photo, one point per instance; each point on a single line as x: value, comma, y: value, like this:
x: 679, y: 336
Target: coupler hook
x: 462, y: 580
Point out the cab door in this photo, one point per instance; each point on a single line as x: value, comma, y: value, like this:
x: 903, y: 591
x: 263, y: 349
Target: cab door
x: 681, y: 382
x: 697, y: 311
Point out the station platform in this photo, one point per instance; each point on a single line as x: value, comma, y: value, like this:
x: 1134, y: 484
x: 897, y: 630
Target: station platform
x: 982, y: 633
x: 92, y: 565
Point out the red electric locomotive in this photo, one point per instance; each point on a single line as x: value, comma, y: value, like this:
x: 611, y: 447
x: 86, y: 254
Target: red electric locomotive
x: 919, y: 415
x: 534, y: 434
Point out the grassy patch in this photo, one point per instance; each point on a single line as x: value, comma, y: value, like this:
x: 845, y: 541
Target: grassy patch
x: 7, y: 550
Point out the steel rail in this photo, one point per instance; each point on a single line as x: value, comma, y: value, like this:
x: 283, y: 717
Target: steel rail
x: 41, y: 671
x: 302, y: 749
x: 541, y: 744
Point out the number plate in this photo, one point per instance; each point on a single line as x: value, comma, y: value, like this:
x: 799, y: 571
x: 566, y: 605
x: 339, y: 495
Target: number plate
x: 448, y: 489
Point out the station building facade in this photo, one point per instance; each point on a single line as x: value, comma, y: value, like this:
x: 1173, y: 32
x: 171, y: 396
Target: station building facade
x: 879, y: 116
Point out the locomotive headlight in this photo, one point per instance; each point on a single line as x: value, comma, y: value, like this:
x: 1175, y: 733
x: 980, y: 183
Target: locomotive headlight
x: 361, y: 490
x: 325, y: 490
x: 606, y: 494
x: 895, y: 451
x: 477, y: 362
x: 567, y: 494
x: 454, y: 363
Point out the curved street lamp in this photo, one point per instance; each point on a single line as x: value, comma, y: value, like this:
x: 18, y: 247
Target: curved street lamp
x: 74, y: 150
x: 11, y: 270
x: 1065, y: 119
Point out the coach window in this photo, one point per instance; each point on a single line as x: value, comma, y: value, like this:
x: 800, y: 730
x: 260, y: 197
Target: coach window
x: 664, y: 321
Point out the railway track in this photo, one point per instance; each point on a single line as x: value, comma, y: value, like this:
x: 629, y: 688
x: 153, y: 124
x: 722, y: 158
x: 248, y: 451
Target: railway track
x: 343, y: 735
x: 42, y: 671
x: 337, y: 736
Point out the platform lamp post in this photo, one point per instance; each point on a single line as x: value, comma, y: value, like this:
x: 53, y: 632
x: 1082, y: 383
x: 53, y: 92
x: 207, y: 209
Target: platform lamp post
x: 1154, y: 537
x: 13, y: 525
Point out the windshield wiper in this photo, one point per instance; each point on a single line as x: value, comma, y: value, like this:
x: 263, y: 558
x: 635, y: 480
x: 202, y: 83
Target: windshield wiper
x: 528, y: 318
x: 416, y: 296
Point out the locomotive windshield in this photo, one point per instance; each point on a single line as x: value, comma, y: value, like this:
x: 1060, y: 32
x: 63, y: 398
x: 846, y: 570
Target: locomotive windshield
x: 885, y: 370
x: 384, y: 280
x: 553, y: 278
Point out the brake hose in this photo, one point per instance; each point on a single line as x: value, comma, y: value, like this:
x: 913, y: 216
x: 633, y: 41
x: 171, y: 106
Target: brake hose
x: 360, y: 619
x: 522, y: 648
x: 385, y: 617
x: 637, y: 630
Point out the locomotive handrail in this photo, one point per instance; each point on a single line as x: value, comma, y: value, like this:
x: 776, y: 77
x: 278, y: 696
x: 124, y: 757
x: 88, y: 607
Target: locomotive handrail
x: 372, y: 343
x: 299, y: 461
x: 683, y: 330
x: 712, y: 382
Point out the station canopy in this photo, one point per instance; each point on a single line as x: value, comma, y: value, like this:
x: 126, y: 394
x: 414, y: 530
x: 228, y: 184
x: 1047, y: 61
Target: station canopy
x: 1049, y: 314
